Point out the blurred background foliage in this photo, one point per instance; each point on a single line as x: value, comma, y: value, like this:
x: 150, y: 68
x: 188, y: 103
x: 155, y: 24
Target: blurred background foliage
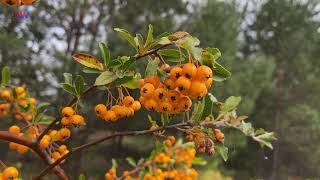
x: 271, y: 47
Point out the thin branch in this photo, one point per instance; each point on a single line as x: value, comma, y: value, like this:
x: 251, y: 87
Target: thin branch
x: 153, y: 51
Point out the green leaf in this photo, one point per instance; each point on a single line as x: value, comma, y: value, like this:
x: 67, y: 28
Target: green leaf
x: 149, y: 39
x: 134, y: 82
x: 90, y: 70
x: 82, y: 177
x: 268, y: 136
x: 213, y: 98
x: 164, y: 119
x: 189, y: 43
x: 131, y: 161
x: 127, y: 64
x: 105, y: 53
x: 114, y: 163
x: 265, y: 143
x: 79, y: 84
x: 208, y: 105
x: 247, y: 128
x: 231, y: 103
x: 199, y: 161
x: 164, y: 40
x: 5, y: 75
x: 222, y: 150
x: 105, y: 78
x: 126, y: 36
x: 46, y: 120
x: 139, y: 40
x: 197, y: 112
x: 41, y: 105
x: 220, y: 73
x: 68, y: 78
x: 172, y: 55
x: 152, y: 67
x: 68, y: 88
x: 209, y: 56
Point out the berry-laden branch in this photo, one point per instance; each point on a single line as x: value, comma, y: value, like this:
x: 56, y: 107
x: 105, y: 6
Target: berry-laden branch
x: 121, y: 134
x: 5, y: 135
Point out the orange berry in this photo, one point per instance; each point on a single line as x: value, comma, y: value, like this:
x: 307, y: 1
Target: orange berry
x: 77, y: 120
x: 14, y: 129
x: 20, y: 90
x: 184, y: 103
x: 62, y: 149
x: 56, y: 155
x: 170, y: 84
x: 183, y: 83
x: 204, y: 73
x: 53, y: 134
x: 168, y: 143
x: 171, y: 138
x: 142, y: 99
x: 5, y: 94
x: 136, y: 105
x: 13, y: 146
x: 165, y: 106
x: 189, y: 70
x: 200, y: 149
x: 18, y: 117
x: 67, y: 111
x: 109, y: 116
x: 63, y: 134
x: 160, y: 94
x: 4, y: 107
x: 32, y: 101
x: 151, y: 104
x: 175, y: 73
x: 174, y: 96
x: 147, y: 90
x: 10, y: 173
x: 22, y: 149
x: 208, y: 82
x: 44, y: 143
x: 128, y: 101
x: 29, y: 117
x: 154, y: 80
x: 66, y: 121
x: 100, y: 108
x: 141, y: 83
x: 198, y: 89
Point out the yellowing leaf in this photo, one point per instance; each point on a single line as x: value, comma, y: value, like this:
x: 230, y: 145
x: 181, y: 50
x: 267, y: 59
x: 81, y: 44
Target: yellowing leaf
x: 88, y: 61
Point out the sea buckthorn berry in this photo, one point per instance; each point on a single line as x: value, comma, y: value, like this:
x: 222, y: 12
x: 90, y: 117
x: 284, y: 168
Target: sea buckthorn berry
x: 63, y: 134
x: 109, y: 116
x: 208, y: 82
x: 5, y: 94
x: 184, y: 103
x: 154, y: 80
x: 198, y: 89
x: 160, y: 94
x: 136, y: 105
x: 32, y: 101
x: 189, y: 70
x: 20, y: 90
x: 44, y: 143
x: 171, y: 138
x: 77, y: 120
x: 219, y: 135
x: 100, y: 108
x: 14, y: 129
x: 128, y: 101
x: 151, y: 104
x: 53, y: 134
x: 183, y: 83
x: 66, y: 121
x: 10, y: 173
x: 22, y: 149
x: 175, y: 73
x: 165, y: 106
x: 62, y: 149
x: 147, y: 90
x: 67, y: 111
x: 170, y: 84
x: 174, y: 95
x: 204, y: 73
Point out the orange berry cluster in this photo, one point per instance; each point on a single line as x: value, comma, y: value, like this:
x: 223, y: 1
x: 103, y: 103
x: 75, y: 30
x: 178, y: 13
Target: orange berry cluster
x: 174, y: 162
x: 203, y: 141
x: 172, y: 96
x: 61, y: 151
x: 111, y: 174
x: 116, y: 112
x: 69, y: 118
x: 219, y: 135
x: 31, y: 133
x: 9, y: 173
x: 14, y: 98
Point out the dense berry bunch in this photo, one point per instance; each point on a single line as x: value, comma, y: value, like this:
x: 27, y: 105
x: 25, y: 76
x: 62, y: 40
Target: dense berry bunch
x: 31, y: 133
x: 9, y: 173
x: 71, y: 118
x: 172, y: 95
x: 126, y: 108
x: 174, y: 161
x: 15, y: 99
x: 57, y: 153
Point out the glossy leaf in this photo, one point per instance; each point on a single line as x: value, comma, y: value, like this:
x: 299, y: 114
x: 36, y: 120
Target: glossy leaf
x: 127, y: 36
x: 220, y: 73
x: 69, y: 88
x: 5, y: 75
x: 105, y: 78
x: 105, y: 53
x: 152, y: 67
x: 88, y: 61
x: 79, y: 84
